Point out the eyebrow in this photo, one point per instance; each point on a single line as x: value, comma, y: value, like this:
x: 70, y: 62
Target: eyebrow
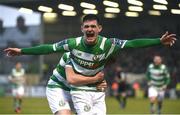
x: 92, y: 25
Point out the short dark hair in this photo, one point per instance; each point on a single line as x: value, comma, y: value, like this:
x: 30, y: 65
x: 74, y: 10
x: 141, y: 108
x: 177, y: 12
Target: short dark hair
x: 91, y: 17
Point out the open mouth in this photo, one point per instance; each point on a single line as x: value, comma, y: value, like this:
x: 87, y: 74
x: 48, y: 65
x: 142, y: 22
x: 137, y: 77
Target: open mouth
x: 90, y: 34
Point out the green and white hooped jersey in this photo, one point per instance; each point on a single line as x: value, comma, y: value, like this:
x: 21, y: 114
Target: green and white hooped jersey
x: 89, y: 60
x: 58, y: 79
x: 18, y: 75
x: 158, y: 76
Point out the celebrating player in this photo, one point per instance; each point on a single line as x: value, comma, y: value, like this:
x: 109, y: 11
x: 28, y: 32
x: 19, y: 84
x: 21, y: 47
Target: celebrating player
x: 88, y: 55
x: 158, y: 79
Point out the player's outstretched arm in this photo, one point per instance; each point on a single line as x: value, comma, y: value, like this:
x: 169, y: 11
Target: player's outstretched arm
x: 37, y: 50
x: 166, y: 39
x: 78, y: 79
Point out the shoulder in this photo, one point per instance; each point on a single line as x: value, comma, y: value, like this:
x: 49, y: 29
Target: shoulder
x: 74, y: 41
x: 67, y: 41
x: 151, y: 65
x: 163, y: 66
x: 23, y: 70
x: 78, y: 40
x: 118, y: 41
x: 13, y: 70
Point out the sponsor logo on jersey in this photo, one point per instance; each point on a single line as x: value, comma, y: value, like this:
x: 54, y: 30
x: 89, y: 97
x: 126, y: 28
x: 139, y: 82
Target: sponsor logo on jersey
x: 85, y: 63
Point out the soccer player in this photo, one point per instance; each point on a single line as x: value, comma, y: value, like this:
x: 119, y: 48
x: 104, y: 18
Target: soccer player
x: 120, y: 92
x: 158, y: 79
x: 17, y: 78
x: 58, y: 89
x: 88, y: 56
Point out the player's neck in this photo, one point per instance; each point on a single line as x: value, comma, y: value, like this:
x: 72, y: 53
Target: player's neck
x: 89, y: 43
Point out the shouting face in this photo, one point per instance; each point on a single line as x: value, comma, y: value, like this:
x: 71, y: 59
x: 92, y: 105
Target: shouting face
x: 91, y: 29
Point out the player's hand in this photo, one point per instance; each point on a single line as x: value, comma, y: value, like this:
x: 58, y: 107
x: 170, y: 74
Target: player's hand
x: 100, y: 76
x: 12, y: 52
x: 102, y: 86
x: 168, y: 39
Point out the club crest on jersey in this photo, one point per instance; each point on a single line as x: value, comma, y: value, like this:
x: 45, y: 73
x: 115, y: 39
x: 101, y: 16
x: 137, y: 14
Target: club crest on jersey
x: 87, y: 108
x: 96, y: 58
x: 62, y: 103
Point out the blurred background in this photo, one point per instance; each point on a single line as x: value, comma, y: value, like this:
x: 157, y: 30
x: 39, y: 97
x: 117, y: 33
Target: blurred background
x: 26, y: 23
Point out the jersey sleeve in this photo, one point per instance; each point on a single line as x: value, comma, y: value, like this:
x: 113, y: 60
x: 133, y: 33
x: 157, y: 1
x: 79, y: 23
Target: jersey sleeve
x: 62, y: 46
x: 136, y: 43
x: 148, y: 77
x: 38, y: 50
x: 65, y: 45
x: 118, y: 42
x: 64, y: 59
x: 115, y: 45
x: 143, y: 42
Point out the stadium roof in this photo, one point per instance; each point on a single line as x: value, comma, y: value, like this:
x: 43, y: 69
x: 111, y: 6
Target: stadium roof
x: 105, y: 8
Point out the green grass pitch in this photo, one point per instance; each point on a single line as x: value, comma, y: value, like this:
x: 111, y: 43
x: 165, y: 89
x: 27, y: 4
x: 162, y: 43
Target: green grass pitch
x: 134, y: 106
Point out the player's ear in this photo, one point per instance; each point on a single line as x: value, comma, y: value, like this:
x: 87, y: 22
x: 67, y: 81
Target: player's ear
x: 100, y: 28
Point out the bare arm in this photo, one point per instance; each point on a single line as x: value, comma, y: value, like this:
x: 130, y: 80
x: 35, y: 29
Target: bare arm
x: 77, y: 79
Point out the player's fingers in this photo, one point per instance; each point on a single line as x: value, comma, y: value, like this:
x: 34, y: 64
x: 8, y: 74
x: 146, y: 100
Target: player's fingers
x: 6, y: 50
x: 173, y: 39
x: 171, y: 44
x: 99, y: 87
x: 102, y: 85
x: 102, y: 74
x: 9, y: 49
x: 165, y: 34
x: 171, y: 35
x: 9, y: 54
x: 103, y: 89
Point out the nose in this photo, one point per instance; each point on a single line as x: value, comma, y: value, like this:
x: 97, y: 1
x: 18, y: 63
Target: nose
x: 89, y: 28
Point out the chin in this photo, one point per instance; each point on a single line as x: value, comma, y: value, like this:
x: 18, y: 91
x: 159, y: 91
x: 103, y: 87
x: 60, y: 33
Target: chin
x: 90, y: 41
